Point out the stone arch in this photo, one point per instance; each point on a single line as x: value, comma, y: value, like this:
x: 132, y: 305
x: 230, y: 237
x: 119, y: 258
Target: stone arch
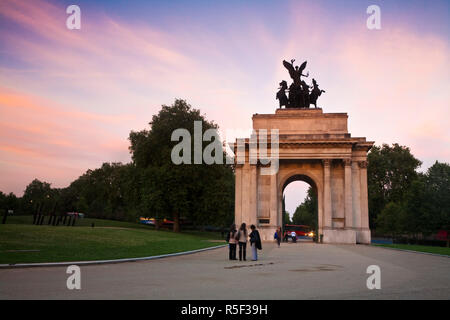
x: 309, y: 145
x: 300, y: 174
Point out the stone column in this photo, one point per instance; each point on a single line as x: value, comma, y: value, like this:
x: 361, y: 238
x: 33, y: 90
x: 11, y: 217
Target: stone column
x: 364, y: 198
x: 348, y: 194
x: 356, y: 195
x: 238, y: 196
x: 327, y: 193
x: 273, y: 199
x: 246, y: 187
x: 253, y: 214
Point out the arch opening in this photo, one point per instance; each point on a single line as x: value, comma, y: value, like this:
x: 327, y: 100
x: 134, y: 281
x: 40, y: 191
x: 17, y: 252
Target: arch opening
x: 300, y: 200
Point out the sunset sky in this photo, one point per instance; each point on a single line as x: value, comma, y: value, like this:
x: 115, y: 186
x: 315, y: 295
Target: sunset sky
x: 69, y: 98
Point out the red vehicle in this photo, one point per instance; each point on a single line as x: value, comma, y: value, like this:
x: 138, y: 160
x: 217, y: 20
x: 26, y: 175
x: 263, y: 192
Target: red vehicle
x: 300, y: 231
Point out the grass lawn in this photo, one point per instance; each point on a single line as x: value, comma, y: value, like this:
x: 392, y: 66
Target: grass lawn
x: 107, y: 240
x: 429, y: 249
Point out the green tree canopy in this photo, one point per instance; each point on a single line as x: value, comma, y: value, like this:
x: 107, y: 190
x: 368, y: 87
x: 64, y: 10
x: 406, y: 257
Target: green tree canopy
x: 306, y: 213
x: 40, y: 196
x: 200, y: 192
x: 390, y: 173
x: 437, y: 180
x: 391, y: 218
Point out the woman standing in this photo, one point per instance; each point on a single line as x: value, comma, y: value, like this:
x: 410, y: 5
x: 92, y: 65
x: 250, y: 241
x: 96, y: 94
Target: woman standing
x: 241, y: 237
x: 255, y: 242
x: 232, y: 242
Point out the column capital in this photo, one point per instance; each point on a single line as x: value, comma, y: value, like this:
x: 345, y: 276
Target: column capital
x: 347, y: 162
x: 362, y: 164
x: 326, y: 162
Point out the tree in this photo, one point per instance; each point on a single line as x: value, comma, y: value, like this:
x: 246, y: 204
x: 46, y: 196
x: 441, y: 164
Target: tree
x: 416, y: 206
x: 286, y: 215
x: 437, y: 180
x: 307, y: 212
x: 287, y: 218
x: 39, y: 195
x: 390, y: 173
x: 203, y: 193
x: 111, y: 191
x: 424, y: 207
x: 8, y: 202
x: 390, y: 220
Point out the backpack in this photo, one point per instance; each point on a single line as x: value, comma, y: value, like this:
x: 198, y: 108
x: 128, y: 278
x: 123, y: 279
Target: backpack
x: 275, y: 236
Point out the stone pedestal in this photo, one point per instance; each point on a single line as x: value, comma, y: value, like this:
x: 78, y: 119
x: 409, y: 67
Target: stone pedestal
x: 363, y: 236
x: 339, y: 236
x: 267, y: 232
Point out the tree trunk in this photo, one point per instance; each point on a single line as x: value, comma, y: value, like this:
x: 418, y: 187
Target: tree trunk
x: 4, y: 216
x: 157, y: 224
x: 176, y: 222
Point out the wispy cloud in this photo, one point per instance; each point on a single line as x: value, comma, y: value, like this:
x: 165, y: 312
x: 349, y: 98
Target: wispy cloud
x: 68, y: 99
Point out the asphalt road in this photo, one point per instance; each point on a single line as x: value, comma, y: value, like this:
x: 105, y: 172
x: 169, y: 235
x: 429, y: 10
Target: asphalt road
x: 294, y: 271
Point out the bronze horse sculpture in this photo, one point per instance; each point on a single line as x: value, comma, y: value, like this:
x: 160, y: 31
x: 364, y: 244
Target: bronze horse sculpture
x: 299, y: 95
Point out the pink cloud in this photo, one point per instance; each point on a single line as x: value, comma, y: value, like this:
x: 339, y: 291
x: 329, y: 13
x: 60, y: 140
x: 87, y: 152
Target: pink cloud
x: 37, y: 133
x: 81, y: 93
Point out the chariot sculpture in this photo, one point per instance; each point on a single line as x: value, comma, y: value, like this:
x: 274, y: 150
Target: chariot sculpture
x: 299, y: 93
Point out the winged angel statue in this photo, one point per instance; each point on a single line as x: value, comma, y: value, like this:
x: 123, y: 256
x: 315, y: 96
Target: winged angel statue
x: 299, y: 94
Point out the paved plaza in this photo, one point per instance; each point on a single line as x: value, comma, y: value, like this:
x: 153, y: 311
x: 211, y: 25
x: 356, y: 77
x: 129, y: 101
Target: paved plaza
x: 294, y: 271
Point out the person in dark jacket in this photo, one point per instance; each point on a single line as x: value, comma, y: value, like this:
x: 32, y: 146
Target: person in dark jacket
x: 232, y: 242
x: 278, y: 236
x: 255, y: 242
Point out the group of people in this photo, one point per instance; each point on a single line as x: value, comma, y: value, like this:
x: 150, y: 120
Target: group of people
x: 240, y: 238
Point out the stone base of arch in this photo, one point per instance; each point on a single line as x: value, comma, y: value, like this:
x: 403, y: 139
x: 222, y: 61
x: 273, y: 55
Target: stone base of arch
x: 314, y: 147
x: 339, y: 236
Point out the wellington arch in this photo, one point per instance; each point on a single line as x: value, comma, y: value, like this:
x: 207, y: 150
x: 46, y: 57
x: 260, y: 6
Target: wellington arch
x: 317, y: 148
